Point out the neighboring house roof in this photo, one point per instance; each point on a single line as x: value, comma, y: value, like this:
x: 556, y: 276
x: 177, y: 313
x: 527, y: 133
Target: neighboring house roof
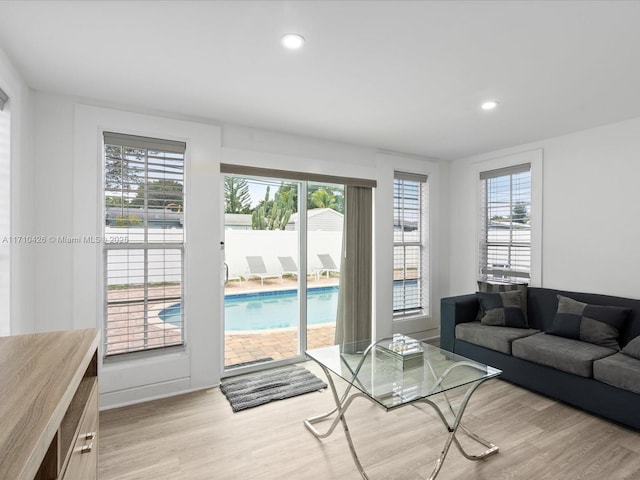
x: 507, y: 225
x: 409, y: 226
x: 325, y: 219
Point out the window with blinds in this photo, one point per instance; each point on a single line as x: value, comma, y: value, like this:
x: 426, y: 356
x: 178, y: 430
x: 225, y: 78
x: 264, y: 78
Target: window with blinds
x: 505, y: 224
x: 409, y: 237
x: 144, y: 243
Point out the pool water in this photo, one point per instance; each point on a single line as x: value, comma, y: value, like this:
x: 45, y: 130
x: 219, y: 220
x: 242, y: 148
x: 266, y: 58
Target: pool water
x: 269, y: 310
x: 279, y: 309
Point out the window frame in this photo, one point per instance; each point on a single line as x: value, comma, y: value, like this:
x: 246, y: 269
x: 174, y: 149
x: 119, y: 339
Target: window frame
x: 423, y: 307
x: 534, y: 158
x: 114, y: 243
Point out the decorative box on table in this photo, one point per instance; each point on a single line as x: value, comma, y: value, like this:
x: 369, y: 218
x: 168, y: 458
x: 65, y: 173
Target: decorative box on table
x: 404, y: 352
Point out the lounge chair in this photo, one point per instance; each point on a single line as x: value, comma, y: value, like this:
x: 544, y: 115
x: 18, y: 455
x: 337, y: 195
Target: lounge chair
x: 328, y: 265
x: 289, y: 266
x: 258, y: 269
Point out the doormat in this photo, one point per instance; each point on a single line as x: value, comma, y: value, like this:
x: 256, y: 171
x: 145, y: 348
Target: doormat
x: 253, y: 389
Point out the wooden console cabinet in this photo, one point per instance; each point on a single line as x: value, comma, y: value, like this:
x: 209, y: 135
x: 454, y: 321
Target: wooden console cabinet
x: 49, y: 406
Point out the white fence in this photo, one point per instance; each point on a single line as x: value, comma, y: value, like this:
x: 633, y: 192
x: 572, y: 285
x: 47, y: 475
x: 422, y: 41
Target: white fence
x: 127, y: 266
x: 271, y: 244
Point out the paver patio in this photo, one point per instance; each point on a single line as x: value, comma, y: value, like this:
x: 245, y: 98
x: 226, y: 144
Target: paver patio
x: 129, y: 331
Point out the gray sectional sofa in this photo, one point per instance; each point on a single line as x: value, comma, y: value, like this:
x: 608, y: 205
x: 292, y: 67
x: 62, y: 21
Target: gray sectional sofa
x: 576, y: 365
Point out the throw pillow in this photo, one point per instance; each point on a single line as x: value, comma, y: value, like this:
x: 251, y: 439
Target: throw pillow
x: 590, y: 323
x: 502, y: 309
x: 633, y: 348
x: 504, y: 287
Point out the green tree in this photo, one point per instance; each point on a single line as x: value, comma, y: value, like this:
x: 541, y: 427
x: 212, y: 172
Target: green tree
x: 325, y: 196
x: 116, y: 201
x: 519, y: 213
x: 289, y: 194
x: 121, y: 175
x: 128, y: 221
x: 272, y: 214
x: 161, y: 193
x: 237, y: 198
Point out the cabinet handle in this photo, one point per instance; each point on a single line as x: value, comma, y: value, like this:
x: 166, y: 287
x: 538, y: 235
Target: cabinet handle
x: 87, y: 448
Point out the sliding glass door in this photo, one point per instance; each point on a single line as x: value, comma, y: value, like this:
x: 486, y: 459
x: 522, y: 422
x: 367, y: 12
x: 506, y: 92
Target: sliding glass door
x: 324, y: 232
x: 283, y: 241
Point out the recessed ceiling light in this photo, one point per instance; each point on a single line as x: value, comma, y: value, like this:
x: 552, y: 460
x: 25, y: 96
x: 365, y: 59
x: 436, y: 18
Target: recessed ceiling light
x: 489, y: 105
x: 292, y: 41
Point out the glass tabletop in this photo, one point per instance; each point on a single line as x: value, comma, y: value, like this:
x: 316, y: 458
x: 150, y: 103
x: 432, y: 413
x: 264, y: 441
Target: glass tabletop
x: 398, y: 371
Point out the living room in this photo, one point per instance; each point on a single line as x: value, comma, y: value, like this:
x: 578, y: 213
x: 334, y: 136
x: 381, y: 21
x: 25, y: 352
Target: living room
x: 563, y: 74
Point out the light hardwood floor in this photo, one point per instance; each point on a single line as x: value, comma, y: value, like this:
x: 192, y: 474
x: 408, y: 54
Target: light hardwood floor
x: 197, y: 436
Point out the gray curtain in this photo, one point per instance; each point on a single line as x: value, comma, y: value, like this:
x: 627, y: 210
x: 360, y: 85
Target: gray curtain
x: 353, y: 323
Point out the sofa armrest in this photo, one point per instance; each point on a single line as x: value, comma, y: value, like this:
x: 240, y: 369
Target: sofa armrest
x: 455, y: 310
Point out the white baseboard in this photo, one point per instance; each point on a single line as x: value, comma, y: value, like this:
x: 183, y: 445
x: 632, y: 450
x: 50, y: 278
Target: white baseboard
x: 145, y: 393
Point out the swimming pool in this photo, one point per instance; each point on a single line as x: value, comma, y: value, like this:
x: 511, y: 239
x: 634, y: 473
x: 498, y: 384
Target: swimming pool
x: 279, y: 308
x: 269, y: 310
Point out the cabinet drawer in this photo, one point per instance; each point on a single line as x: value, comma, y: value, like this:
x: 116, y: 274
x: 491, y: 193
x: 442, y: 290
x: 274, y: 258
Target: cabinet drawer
x: 83, y: 463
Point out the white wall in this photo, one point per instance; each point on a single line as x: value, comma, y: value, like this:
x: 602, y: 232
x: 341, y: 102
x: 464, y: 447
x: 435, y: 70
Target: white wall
x: 16, y: 207
x: 591, y: 203
x: 68, y: 276
x: 53, y: 195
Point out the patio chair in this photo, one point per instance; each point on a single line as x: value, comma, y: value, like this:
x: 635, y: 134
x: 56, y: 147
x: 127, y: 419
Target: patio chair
x: 258, y: 269
x: 288, y: 265
x: 328, y: 265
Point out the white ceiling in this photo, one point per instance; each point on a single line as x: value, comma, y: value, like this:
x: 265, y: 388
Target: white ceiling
x: 407, y: 76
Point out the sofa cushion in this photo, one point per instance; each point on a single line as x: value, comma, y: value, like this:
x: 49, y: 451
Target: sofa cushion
x: 502, y: 309
x: 633, y: 348
x: 590, y: 323
x: 489, y: 287
x: 494, y: 338
x: 564, y: 354
x: 619, y: 370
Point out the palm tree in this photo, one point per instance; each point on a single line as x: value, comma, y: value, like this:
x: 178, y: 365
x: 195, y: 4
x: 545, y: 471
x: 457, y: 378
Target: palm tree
x: 323, y: 198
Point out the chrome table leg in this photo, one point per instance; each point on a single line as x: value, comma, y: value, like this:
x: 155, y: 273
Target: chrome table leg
x: 341, y: 407
x: 453, y: 428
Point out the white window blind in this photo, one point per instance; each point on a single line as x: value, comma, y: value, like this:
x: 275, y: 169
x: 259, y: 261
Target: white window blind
x: 4, y: 98
x: 144, y: 243
x: 409, y: 237
x: 505, y: 224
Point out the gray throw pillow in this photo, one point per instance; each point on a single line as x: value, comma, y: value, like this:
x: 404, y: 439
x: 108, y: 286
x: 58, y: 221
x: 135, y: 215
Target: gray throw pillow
x: 502, y: 309
x: 595, y: 324
x: 488, y: 287
x: 633, y: 348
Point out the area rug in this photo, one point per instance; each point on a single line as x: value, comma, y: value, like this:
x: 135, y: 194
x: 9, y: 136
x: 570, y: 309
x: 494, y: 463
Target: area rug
x: 253, y: 389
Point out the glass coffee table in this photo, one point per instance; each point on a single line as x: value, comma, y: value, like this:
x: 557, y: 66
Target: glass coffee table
x: 394, y: 377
